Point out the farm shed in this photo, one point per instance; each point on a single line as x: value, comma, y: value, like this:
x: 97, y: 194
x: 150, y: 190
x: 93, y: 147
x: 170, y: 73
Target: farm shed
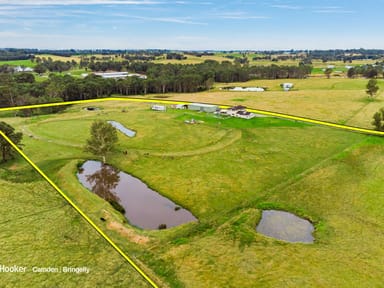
x: 180, y: 106
x: 157, y: 107
x: 203, y: 107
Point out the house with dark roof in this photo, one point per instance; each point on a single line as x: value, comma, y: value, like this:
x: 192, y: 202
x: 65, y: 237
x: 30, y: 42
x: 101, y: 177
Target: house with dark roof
x: 238, y: 111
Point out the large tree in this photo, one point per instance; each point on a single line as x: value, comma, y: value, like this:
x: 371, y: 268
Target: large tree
x: 15, y: 137
x: 328, y: 72
x: 372, y: 88
x: 378, y: 120
x: 103, y: 138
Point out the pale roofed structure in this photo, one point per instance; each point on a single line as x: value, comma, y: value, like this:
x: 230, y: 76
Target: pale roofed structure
x: 203, y: 107
x: 119, y: 75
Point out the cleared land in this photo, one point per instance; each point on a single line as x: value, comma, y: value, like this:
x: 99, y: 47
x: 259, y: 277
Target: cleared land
x: 26, y: 63
x: 329, y: 176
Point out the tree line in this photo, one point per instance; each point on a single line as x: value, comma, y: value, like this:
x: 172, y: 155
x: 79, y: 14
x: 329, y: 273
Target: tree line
x: 22, y: 89
x: 367, y: 71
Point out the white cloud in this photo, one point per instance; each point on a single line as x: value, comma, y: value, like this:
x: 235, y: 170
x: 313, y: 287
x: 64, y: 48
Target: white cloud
x: 239, y: 16
x: 169, y: 20
x: 77, y: 2
x: 334, y: 11
x: 287, y: 7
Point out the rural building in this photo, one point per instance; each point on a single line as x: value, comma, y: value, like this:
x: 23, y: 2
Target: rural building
x: 286, y: 86
x: 203, y: 107
x: 233, y: 110
x: 239, y: 112
x: 247, y: 89
x: 119, y: 75
x: 245, y: 115
x: 158, y: 107
x: 180, y: 106
x: 23, y: 69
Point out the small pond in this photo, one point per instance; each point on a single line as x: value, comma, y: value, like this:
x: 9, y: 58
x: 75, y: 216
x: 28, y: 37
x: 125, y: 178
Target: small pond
x: 144, y: 207
x: 122, y: 128
x: 285, y: 226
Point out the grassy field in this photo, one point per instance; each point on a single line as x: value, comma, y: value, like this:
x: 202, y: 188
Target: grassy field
x: 225, y: 171
x: 39, y: 229
x: 25, y: 63
x: 191, y: 59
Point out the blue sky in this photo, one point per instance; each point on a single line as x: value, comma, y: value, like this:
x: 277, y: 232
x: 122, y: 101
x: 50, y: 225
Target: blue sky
x: 191, y: 25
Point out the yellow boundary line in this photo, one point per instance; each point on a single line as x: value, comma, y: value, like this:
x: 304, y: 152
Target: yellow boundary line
x: 145, y: 276
x: 262, y: 112
x: 140, y: 100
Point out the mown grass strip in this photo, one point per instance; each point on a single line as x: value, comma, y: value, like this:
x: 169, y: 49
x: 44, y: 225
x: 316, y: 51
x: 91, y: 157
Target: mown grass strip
x: 129, y: 260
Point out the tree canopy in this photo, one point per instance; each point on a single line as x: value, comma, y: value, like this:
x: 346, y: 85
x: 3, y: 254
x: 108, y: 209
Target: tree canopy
x: 378, y: 120
x: 103, y: 137
x: 372, y: 88
x: 15, y: 137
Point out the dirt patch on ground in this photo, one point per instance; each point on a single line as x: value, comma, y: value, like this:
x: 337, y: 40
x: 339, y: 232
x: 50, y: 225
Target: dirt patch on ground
x: 127, y: 233
x: 124, y: 231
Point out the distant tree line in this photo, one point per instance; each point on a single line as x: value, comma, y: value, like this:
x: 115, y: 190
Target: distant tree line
x: 176, y: 56
x: 10, y: 55
x: 21, y: 88
x: 326, y: 55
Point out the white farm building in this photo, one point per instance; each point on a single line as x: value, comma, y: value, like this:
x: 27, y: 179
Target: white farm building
x: 23, y: 69
x: 119, y: 75
x: 157, y: 107
x: 203, y: 107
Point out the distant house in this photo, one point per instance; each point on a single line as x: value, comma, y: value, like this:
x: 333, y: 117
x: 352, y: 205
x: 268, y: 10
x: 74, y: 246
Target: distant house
x: 203, y: 107
x: 233, y: 110
x: 245, y: 115
x: 239, y: 112
x: 157, y: 107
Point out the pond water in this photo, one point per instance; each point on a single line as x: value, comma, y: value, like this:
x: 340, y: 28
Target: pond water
x: 144, y: 207
x: 122, y: 128
x: 285, y: 226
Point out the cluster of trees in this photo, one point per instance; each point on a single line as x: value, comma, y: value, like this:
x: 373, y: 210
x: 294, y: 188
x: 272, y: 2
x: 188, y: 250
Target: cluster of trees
x: 367, y: 71
x: 378, y: 120
x: 104, y: 65
x: 280, y: 72
x: 5, y: 146
x: 176, y: 56
x: 47, y: 64
x: 14, y: 55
